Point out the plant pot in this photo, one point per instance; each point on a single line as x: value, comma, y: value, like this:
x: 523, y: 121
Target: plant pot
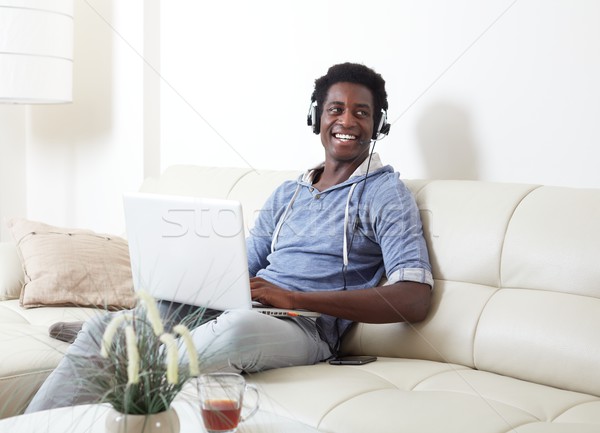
x: 162, y: 422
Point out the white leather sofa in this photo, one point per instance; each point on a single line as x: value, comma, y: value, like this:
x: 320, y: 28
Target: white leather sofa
x: 512, y: 342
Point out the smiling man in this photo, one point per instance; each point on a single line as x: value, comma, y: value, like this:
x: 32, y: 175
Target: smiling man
x: 346, y: 224
x: 323, y: 242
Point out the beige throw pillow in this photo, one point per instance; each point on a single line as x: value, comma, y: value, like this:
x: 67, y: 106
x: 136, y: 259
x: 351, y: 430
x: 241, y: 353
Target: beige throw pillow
x: 72, y: 267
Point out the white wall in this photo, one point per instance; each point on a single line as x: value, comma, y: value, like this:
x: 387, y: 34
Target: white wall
x: 81, y: 156
x: 75, y: 160
x: 12, y: 164
x: 497, y: 90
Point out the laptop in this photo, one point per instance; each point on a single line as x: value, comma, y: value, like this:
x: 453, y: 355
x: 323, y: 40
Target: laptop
x: 193, y: 251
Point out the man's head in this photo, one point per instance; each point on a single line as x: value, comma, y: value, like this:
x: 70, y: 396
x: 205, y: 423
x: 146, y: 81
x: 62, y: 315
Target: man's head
x: 350, y: 73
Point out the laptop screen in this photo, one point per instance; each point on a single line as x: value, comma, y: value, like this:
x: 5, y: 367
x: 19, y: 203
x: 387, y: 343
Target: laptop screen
x: 187, y: 249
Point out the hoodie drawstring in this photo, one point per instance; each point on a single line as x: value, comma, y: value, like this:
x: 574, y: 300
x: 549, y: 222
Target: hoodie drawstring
x: 346, y: 221
x: 283, y: 218
x: 346, y: 218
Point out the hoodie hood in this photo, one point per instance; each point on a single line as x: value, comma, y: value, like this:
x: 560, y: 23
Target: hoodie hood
x: 369, y: 165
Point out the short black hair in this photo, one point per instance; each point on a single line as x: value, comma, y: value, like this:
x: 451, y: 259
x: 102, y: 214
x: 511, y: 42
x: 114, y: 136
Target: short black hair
x: 352, y: 73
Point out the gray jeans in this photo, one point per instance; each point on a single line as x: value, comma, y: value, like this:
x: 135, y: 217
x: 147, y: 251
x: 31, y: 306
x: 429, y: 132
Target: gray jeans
x: 236, y: 341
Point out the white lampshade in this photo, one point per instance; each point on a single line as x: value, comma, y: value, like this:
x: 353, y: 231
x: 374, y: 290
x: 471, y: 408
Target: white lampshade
x: 36, y: 51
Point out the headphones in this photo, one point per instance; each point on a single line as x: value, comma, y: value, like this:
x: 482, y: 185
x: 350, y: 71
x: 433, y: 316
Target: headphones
x: 314, y: 120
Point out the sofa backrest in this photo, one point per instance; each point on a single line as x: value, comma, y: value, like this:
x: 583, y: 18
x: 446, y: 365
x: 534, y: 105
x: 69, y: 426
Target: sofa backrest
x: 250, y: 186
x: 517, y: 284
x: 516, y: 269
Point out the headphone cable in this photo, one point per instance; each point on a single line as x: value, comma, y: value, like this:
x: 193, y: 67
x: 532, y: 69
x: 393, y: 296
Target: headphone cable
x: 357, y: 217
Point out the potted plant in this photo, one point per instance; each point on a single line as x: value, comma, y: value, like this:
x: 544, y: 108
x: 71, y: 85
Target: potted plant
x: 143, y: 370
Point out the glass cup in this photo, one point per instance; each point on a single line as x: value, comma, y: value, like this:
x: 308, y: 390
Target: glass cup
x: 221, y: 401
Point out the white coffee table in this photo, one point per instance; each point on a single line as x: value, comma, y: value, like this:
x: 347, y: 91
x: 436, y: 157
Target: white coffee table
x: 91, y: 419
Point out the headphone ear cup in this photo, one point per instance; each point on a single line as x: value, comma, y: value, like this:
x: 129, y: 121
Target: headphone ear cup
x: 383, y: 128
x: 313, y: 119
x: 316, y: 120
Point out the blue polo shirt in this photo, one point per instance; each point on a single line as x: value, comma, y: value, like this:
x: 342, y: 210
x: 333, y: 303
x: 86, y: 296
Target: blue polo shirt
x: 347, y: 237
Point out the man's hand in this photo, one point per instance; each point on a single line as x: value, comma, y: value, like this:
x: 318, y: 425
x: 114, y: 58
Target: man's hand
x: 270, y: 294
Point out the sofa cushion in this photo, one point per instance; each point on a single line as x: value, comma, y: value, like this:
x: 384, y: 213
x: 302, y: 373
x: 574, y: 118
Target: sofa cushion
x: 12, y: 313
x: 405, y: 395
x: 27, y: 353
x: 72, y: 266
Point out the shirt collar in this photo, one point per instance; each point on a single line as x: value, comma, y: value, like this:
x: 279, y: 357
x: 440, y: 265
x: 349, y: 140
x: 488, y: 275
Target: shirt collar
x: 366, y: 166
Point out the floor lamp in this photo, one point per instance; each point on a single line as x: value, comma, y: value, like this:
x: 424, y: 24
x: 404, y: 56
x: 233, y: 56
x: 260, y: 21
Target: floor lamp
x: 36, y: 67
x: 36, y: 51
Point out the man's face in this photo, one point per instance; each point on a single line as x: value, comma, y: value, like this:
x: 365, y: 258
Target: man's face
x: 347, y: 121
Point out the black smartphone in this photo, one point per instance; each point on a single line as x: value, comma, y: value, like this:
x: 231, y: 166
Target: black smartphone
x: 353, y: 360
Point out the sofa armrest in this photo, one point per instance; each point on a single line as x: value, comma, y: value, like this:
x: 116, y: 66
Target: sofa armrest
x: 11, y: 271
